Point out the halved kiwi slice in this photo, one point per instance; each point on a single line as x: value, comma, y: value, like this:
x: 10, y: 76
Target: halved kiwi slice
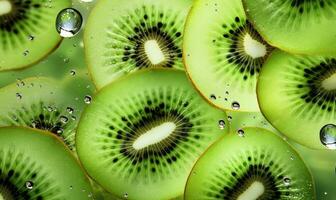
x: 223, y: 54
x: 40, y: 103
x: 297, y: 26
x: 27, y: 31
x: 141, y: 135
x: 255, y: 165
x: 125, y: 36
x: 297, y: 94
x: 36, y: 165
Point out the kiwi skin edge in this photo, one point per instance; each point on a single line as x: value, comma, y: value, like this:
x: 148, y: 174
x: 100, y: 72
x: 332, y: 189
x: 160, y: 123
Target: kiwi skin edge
x: 36, y: 61
x: 274, y: 45
x: 57, y: 140
x: 290, y: 145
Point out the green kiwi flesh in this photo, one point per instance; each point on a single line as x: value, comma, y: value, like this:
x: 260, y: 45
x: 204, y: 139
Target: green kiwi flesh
x: 255, y: 165
x: 41, y: 170
x: 297, y: 96
x: 141, y: 135
x: 125, y: 36
x: 27, y: 31
x: 223, y: 54
x: 296, y: 26
x: 40, y: 103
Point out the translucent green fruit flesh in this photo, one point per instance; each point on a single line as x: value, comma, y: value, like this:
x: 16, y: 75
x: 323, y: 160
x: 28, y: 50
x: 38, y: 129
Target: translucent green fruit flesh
x: 255, y: 164
x: 297, y: 94
x: 296, y: 26
x: 141, y: 135
x: 125, y: 36
x: 223, y: 54
x: 27, y: 31
x: 41, y: 170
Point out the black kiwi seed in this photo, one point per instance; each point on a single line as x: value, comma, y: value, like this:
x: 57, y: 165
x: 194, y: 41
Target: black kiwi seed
x: 245, y: 64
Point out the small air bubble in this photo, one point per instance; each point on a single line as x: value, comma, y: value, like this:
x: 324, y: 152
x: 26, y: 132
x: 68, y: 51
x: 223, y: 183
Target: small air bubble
x: 64, y: 119
x: 68, y: 22
x: 241, y: 133
x: 287, y: 181
x: 73, y: 72
x: 235, y: 105
x: 87, y: 99
x: 66, y: 60
x: 70, y: 187
x: 221, y: 124
x: 31, y: 37
x: 125, y: 195
x: 59, y: 131
x: 29, y: 185
x: 73, y: 118
x: 69, y: 110
x: 50, y: 109
x: 328, y: 136
x: 229, y: 118
x: 25, y: 53
x: 18, y: 96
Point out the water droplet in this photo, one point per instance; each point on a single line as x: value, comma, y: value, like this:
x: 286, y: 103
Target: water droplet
x: 125, y: 195
x: 69, y: 110
x: 221, y: 124
x: 59, y: 130
x: 213, y: 97
x: 325, y: 193
x: 73, y: 118
x: 31, y: 37
x: 328, y: 136
x: 20, y: 83
x: 241, y: 132
x: 50, y: 109
x: 229, y: 118
x: 18, y: 96
x: 66, y: 60
x: 70, y: 187
x: 25, y: 53
x: 29, y: 185
x: 235, y: 105
x: 68, y: 22
x: 72, y: 72
x: 226, y: 92
x: 287, y: 181
x: 33, y: 124
x: 64, y: 119
x: 87, y: 99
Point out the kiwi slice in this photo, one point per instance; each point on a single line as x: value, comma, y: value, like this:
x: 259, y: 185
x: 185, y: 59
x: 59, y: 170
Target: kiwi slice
x: 223, y: 54
x: 297, y: 94
x: 297, y: 26
x: 35, y: 165
x: 141, y: 135
x: 125, y: 36
x: 27, y: 31
x: 256, y: 165
x: 40, y: 103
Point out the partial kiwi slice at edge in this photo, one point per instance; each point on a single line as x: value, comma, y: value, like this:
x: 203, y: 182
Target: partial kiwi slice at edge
x: 223, y: 54
x: 297, y: 95
x: 125, y: 36
x: 141, y: 135
x: 40, y: 103
x: 27, y: 31
x: 300, y: 27
x: 36, y: 165
x: 255, y: 165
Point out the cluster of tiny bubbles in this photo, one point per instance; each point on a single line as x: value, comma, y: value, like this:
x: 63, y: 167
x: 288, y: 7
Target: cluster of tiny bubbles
x: 68, y: 22
x: 18, y: 96
x: 235, y: 105
x: 328, y: 136
x: 286, y: 181
x: 87, y: 99
x: 20, y: 82
x: 25, y: 53
x: 29, y: 185
x: 241, y: 132
x: 221, y: 124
